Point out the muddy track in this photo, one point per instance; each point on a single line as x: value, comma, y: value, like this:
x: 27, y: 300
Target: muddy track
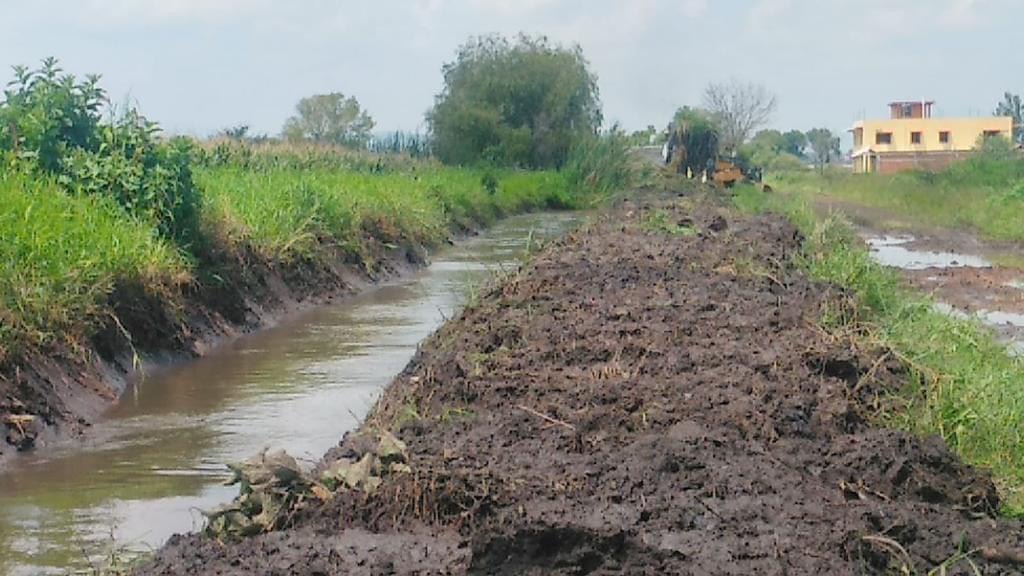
x: 642, y: 400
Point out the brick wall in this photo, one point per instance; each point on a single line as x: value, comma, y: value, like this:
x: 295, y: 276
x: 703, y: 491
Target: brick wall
x: 903, y: 161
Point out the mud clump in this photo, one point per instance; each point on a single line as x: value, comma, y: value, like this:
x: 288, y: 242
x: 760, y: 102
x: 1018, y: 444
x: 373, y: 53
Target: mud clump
x: 641, y: 402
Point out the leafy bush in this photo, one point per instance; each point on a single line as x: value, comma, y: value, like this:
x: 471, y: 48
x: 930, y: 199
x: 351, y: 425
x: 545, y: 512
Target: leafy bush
x: 51, y: 123
x: 46, y: 113
x: 521, y: 103
x: 151, y: 180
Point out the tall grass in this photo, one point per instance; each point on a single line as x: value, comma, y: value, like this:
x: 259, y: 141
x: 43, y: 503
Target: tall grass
x: 285, y: 213
x: 601, y: 163
x: 964, y: 386
x: 985, y: 195
x: 60, y: 257
x: 63, y: 252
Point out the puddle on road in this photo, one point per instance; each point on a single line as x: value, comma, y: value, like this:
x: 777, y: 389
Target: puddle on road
x: 892, y: 251
x: 1008, y: 325
x: 158, y: 457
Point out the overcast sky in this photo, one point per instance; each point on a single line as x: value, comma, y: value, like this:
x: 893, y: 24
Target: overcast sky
x: 199, y: 65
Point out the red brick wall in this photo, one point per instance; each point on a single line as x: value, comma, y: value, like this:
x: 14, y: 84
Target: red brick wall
x: 903, y: 161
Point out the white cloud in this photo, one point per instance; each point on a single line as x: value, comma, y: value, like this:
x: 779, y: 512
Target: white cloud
x: 173, y: 10
x: 694, y: 8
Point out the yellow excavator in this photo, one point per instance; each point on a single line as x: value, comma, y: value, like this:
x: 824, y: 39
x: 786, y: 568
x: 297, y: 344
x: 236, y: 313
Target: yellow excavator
x: 704, y: 162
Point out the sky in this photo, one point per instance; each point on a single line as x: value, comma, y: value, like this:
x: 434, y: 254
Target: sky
x: 198, y: 66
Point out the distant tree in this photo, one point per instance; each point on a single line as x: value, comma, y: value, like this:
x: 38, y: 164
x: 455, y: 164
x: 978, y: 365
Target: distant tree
x: 824, y: 145
x: 238, y: 132
x: 740, y: 108
x: 794, y: 142
x: 521, y: 102
x: 331, y: 118
x: 1013, y: 107
x: 644, y: 137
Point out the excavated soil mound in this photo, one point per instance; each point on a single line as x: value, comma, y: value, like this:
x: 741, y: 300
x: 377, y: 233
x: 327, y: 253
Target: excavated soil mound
x: 649, y: 396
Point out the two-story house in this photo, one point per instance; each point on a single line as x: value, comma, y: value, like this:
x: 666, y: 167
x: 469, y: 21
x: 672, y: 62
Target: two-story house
x: 912, y: 139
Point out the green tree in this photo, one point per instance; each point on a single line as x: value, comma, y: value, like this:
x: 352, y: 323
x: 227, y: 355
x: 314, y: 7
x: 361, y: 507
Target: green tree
x: 237, y: 132
x: 794, y: 142
x: 771, y: 140
x: 1013, y: 107
x: 329, y: 118
x: 824, y: 145
x: 522, y: 103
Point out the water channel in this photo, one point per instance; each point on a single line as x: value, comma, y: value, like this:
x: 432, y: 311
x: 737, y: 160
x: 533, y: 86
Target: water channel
x: 157, y: 458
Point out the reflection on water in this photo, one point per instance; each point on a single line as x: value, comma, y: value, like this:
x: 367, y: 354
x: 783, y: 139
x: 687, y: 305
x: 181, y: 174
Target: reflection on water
x: 158, y: 457
x: 890, y: 251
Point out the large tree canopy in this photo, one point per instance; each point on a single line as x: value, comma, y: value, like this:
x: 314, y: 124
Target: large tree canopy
x: 331, y: 118
x: 522, y: 103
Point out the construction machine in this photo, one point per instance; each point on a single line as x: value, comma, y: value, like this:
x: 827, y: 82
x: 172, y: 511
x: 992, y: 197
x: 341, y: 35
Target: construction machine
x: 695, y: 156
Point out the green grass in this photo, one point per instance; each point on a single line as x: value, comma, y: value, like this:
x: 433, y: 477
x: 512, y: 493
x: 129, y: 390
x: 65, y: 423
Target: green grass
x: 983, y: 196
x: 286, y: 213
x: 964, y: 385
x: 60, y: 257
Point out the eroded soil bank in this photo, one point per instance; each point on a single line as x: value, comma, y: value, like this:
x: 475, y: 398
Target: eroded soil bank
x: 651, y: 395
x: 51, y: 395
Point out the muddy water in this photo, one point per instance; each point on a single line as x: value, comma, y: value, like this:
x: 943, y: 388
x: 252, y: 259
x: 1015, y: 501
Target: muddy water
x: 891, y: 251
x: 966, y: 286
x: 158, y: 457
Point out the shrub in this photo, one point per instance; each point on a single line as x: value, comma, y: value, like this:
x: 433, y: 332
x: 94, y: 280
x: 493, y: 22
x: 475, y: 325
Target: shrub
x: 151, y: 180
x: 521, y: 103
x: 51, y: 123
x: 45, y: 113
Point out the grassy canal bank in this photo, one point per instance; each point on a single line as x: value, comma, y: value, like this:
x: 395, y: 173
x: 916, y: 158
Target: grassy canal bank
x: 963, y: 385
x: 85, y: 284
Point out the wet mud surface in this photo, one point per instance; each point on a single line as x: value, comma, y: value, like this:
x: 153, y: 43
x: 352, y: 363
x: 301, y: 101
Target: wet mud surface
x: 962, y: 274
x: 637, y: 401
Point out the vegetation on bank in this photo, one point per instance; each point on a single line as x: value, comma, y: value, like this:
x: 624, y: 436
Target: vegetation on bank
x: 963, y: 386
x: 984, y: 193
x: 92, y: 203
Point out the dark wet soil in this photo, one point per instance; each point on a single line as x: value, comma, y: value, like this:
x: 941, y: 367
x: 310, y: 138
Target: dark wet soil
x: 638, y: 401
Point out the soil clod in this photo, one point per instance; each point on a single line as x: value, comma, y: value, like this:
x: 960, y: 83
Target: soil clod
x: 639, y: 401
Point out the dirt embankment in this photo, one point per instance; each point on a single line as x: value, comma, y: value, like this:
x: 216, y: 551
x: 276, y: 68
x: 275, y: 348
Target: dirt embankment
x: 48, y: 395
x: 642, y: 400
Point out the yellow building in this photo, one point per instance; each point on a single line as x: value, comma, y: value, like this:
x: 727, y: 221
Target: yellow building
x: 912, y: 139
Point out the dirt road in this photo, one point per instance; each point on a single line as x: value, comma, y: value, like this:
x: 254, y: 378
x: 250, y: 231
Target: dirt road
x: 967, y: 275
x: 650, y: 396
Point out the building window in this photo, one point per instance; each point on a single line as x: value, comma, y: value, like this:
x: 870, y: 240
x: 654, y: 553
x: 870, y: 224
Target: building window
x: 915, y: 137
x: 944, y: 137
x: 883, y: 137
x: 992, y: 133
x: 908, y: 111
